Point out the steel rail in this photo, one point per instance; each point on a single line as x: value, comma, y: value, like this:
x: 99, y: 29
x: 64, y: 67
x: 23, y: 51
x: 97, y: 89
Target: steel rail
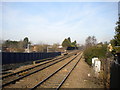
x: 23, y: 70
x: 68, y: 74
x: 29, y: 68
x: 53, y: 73
x: 13, y: 81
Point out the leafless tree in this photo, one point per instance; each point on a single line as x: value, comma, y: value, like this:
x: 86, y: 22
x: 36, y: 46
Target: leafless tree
x: 90, y: 41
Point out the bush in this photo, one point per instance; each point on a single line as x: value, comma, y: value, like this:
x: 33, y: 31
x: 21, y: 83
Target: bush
x: 117, y: 49
x: 95, y: 51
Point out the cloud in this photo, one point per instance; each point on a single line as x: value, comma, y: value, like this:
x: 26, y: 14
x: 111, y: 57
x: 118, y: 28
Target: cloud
x: 60, y: 0
x: 53, y: 24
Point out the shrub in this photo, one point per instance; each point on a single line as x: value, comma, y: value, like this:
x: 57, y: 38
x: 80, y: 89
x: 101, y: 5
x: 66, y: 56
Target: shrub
x: 95, y: 51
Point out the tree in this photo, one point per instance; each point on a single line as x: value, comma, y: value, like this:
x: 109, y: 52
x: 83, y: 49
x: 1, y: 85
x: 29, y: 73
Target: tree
x: 55, y: 46
x: 11, y: 44
x: 94, y: 40
x: 117, y: 32
x: 16, y: 46
x: 74, y: 44
x: 69, y: 39
x: 66, y: 43
x: 98, y: 50
x: 116, y: 41
x: 26, y: 42
x: 90, y: 41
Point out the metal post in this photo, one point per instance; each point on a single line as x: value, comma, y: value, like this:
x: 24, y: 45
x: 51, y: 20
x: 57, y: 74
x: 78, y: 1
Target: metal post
x: 47, y: 49
x: 119, y: 11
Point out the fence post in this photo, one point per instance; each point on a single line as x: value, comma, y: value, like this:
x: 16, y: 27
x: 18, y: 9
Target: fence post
x: 33, y: 62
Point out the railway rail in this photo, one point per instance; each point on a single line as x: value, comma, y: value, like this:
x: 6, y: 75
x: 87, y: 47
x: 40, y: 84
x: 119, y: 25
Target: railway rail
x: 14, y: 77
x: 45, y: 61
x: 57, y: 79
x: 6, y: 72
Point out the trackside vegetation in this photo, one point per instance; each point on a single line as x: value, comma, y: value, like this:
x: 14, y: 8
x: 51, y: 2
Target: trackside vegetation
x: 116, y: 41
x: 95, y: 51
x: 67, y: 43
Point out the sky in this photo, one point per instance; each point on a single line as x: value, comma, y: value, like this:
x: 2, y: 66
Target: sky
x: 52, y: 22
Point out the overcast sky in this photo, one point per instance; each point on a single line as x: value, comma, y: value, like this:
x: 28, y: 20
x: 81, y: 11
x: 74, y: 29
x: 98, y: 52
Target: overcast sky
x: 52, y: 22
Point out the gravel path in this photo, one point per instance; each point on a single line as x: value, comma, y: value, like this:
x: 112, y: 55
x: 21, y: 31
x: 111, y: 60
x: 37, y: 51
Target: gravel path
x: 79, y: 77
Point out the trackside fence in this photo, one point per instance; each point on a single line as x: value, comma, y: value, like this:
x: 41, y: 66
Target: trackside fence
x: 115, y: 73
x: 10, y: 58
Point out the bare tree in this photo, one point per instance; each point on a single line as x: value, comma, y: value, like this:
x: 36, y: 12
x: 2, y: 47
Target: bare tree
x: 94, y: 40
x: 90, y: 41
x: 55, y: 47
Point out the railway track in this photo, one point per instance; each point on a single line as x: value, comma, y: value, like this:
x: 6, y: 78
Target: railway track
x: 56, y: 79
x: 14, y: 77
x: 16, y: 73
x: 6, y: 72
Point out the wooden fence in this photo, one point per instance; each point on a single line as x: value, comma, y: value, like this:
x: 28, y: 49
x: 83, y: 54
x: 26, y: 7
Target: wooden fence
x: 115, y: 73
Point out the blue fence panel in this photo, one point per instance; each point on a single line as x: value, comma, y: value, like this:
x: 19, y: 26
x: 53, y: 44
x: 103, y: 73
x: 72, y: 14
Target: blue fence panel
x: 8, y: 58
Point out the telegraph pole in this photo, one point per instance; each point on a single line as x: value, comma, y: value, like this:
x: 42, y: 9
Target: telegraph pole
x: 119, y: 11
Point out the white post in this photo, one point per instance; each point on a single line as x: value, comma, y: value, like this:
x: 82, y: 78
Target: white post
x: 47, y: 49
x: 28, y: 48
